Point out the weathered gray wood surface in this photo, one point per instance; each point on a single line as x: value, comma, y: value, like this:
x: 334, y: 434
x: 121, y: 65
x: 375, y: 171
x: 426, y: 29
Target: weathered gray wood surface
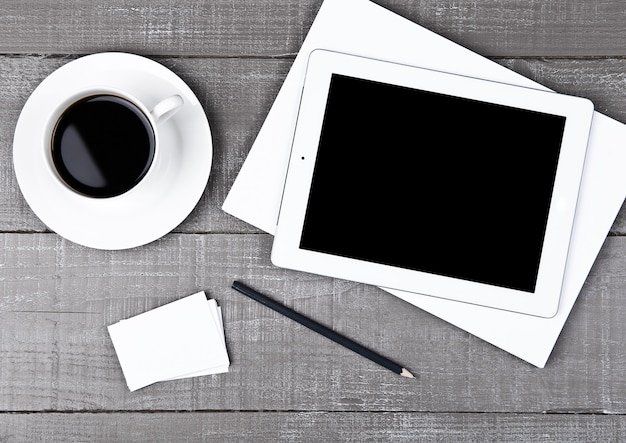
x: 277, y: 27
x: 309, y: 427
x: 59, y: 376
x: 58, y: 299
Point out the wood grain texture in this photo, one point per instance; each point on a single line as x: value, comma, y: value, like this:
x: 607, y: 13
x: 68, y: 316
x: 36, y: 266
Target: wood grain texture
x: 278, y: 27
x: 58, y: 298
x: 309, y: 427
x: 236, y: 95
x: 59, y: 376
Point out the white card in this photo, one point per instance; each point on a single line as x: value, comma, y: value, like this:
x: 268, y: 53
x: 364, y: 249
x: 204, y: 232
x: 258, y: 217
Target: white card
x: 181, y: 339
x: 361, y: 27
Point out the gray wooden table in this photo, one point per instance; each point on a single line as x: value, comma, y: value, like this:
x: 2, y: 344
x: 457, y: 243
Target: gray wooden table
x: 59, y: 376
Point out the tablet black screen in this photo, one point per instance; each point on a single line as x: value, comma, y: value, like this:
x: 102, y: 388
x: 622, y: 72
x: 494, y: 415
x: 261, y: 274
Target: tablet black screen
x: 432, y: 182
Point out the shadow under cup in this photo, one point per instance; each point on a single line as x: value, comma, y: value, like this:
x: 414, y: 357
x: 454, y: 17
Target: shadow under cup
x: 102, y: 146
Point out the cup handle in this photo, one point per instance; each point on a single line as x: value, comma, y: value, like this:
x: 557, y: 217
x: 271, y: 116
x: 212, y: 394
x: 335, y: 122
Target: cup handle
x: 166, y: 108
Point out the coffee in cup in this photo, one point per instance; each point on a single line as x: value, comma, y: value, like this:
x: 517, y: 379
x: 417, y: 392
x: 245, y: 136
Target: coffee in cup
x: 103, y: 144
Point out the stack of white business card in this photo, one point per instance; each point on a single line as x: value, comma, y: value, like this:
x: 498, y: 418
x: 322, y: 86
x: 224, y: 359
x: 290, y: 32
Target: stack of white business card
x: 182, y: 339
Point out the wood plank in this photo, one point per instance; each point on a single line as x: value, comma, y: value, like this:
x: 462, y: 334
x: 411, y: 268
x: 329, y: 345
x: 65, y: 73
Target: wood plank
x: 309, y: 427
x: 236, y: 95
x: 58, y: 298
x: 277, y: 27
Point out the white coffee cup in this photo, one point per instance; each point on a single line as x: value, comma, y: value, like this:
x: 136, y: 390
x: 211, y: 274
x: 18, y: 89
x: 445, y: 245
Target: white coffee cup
x: 104, y: 142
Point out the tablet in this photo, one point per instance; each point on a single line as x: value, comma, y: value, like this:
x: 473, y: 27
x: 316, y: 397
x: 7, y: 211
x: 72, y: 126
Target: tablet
x: 432, y: 183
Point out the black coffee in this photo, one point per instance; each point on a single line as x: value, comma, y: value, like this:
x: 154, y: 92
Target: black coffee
x: 102, y: 146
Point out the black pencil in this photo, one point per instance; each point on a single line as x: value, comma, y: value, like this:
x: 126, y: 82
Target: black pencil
x: 326, y: 332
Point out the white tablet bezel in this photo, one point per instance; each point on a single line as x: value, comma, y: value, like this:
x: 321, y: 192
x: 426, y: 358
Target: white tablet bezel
x: 286, y: 252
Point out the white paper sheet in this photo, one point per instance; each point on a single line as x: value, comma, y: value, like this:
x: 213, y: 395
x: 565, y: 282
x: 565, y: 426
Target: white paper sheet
x: 363, y: 28
x: 182, y: 339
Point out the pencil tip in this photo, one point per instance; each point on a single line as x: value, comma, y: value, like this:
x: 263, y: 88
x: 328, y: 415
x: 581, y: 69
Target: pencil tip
x: 406, y: 373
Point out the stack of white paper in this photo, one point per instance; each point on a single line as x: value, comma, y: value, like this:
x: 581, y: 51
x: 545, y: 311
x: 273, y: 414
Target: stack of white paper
x: 182, y: 339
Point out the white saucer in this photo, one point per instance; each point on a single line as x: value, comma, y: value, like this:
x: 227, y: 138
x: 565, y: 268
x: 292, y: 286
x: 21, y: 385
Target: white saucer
x: 135, y: 218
